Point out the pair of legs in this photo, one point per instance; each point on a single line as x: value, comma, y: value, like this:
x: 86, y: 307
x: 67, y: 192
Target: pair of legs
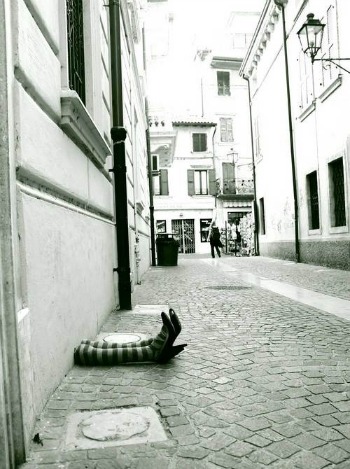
x: 159, y: 349
x: 212, y: 246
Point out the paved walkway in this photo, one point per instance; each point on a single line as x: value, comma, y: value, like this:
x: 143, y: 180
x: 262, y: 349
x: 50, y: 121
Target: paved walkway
x: 264, y: 381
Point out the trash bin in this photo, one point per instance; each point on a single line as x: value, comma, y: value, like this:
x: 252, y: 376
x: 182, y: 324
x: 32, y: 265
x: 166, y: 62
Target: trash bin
x: 167, y: 249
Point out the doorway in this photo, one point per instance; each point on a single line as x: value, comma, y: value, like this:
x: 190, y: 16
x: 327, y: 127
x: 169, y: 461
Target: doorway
x: 184, y: 231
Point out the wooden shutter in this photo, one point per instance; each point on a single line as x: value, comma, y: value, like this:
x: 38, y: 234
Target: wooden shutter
x: 190, y: 181
x: 164, y: 187
x: 228, y: 178
x: 212, y: 182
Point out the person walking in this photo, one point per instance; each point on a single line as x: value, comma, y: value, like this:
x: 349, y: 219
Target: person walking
x: 215, y: 241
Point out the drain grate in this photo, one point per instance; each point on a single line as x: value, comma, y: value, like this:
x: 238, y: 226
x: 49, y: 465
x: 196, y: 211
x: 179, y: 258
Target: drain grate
x: 228, y: 287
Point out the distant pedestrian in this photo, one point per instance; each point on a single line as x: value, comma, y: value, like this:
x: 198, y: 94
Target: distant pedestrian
x: 215, y: 241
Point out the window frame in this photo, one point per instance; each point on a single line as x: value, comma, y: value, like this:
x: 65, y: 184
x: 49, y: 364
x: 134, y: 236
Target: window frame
x: 201, y: 184
x: 333, y: 201
x: 204, y: 229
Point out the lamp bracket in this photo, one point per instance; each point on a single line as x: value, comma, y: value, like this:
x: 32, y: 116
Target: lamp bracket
x: 332, y: 60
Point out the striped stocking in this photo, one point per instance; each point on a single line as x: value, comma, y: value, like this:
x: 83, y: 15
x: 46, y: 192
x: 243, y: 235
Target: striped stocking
x: 142, y: 343
x: 159, y: 350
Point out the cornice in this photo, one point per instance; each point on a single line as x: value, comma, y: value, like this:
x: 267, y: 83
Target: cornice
x: 266, y: 25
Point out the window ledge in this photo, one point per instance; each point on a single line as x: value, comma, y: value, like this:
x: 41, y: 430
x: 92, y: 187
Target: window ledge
x: 77, y: 123
x: 331, y: 88
x: 338, y: 229
x: 307, y: 111
x: 314, y: 232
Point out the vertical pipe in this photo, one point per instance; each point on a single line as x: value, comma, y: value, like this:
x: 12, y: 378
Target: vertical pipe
x: 291, y: 143
x: 149, y: 162
x: 256, y: 213
x: 118, y: 134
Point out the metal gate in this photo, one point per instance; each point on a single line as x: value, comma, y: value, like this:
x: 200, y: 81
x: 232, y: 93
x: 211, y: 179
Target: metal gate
x: 184, y: 231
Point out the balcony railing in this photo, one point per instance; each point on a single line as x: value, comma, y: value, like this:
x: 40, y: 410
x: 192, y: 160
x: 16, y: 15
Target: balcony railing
x: 236, y: 187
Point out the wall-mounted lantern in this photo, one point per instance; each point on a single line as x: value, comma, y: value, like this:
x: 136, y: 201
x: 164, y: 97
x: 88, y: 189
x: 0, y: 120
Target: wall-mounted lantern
x: 310, y: 37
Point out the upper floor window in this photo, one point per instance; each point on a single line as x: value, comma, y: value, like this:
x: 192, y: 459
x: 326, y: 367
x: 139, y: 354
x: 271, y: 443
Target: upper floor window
x: 199, y: 142
x: 329, y: 47
x: 201, y: 182
x: 155, y: 163
x: 75, y: 37
x: 223, y: 80
x: 305, y: 73
x: 226, y: 131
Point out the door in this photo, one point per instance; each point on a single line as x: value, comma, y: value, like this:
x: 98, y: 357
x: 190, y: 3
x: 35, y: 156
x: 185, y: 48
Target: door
x: 184, y: 231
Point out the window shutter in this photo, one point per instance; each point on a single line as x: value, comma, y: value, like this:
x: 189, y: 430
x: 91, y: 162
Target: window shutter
x: 164, y: 187
x: 212, y: 182
x: 190, y: 181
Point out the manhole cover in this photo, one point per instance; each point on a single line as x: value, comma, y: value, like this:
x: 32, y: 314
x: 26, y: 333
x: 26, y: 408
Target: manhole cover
x: 122, y: 338
x: 228, y: 287
x: 113, y: 427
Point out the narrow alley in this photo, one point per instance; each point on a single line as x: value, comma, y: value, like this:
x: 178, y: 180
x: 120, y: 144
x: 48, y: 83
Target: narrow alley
x: 263, y: 382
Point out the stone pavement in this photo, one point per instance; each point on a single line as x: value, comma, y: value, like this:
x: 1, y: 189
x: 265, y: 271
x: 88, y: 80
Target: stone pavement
x: 264, y: 381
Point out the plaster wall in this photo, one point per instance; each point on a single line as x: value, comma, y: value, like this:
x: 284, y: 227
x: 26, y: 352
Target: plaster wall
x: 68, y: 260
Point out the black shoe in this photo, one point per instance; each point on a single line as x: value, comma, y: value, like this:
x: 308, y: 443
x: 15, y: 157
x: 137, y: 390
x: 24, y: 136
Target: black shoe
x: 169, y: 353
x: 175, y: 321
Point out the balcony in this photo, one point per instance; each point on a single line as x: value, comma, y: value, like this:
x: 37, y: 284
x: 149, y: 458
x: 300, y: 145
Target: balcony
x: 236, y: 189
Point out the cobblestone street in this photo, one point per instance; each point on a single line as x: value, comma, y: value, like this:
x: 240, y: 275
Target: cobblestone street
x: 263, y: 382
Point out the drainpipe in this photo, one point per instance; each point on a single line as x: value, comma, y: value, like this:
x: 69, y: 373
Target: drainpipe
x: 149, y: 163
x: 118, y: 135
x: 281, y: 4
x: 256, y: 213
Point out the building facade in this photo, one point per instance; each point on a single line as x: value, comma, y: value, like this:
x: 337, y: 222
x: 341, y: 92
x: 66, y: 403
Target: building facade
x: 315, y: 138
x: 58, y: 256
x: 199, y: 111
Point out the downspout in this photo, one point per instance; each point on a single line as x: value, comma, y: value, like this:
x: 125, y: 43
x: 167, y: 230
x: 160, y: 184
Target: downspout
x: 256, y: 213
x: 118, y: 134
x: 281, y: 3
x: 149, y: 164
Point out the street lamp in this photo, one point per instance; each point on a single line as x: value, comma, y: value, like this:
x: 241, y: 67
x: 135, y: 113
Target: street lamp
x: 310, y: 37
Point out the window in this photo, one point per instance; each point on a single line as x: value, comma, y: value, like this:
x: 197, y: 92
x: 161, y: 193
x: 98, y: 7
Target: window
x: 161, y: 226
x: 226, y: 133
x: 201, y: 182
x: 337, y: 192
x: 306, y: 89
x: 241, y: 40
x: 312, y: 191
x: 204, y: 229
x: 329, y: 47
x: 223, y: 79
x: 75, y: 37
x: 155, y: 163
x: 262, y: 216
x: 160, y: 182
x: 257, y: 148
x: 199, y: 142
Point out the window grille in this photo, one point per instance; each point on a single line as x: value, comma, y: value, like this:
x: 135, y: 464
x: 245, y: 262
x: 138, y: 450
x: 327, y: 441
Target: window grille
x: 337, y: 192
x: 314, y: 219
x: 75, y: 37
x: 199, y: 142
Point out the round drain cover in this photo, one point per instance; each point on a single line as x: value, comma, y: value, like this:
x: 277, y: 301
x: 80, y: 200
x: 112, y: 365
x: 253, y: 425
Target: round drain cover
x: 122, y: 338
x: 114, y: 426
